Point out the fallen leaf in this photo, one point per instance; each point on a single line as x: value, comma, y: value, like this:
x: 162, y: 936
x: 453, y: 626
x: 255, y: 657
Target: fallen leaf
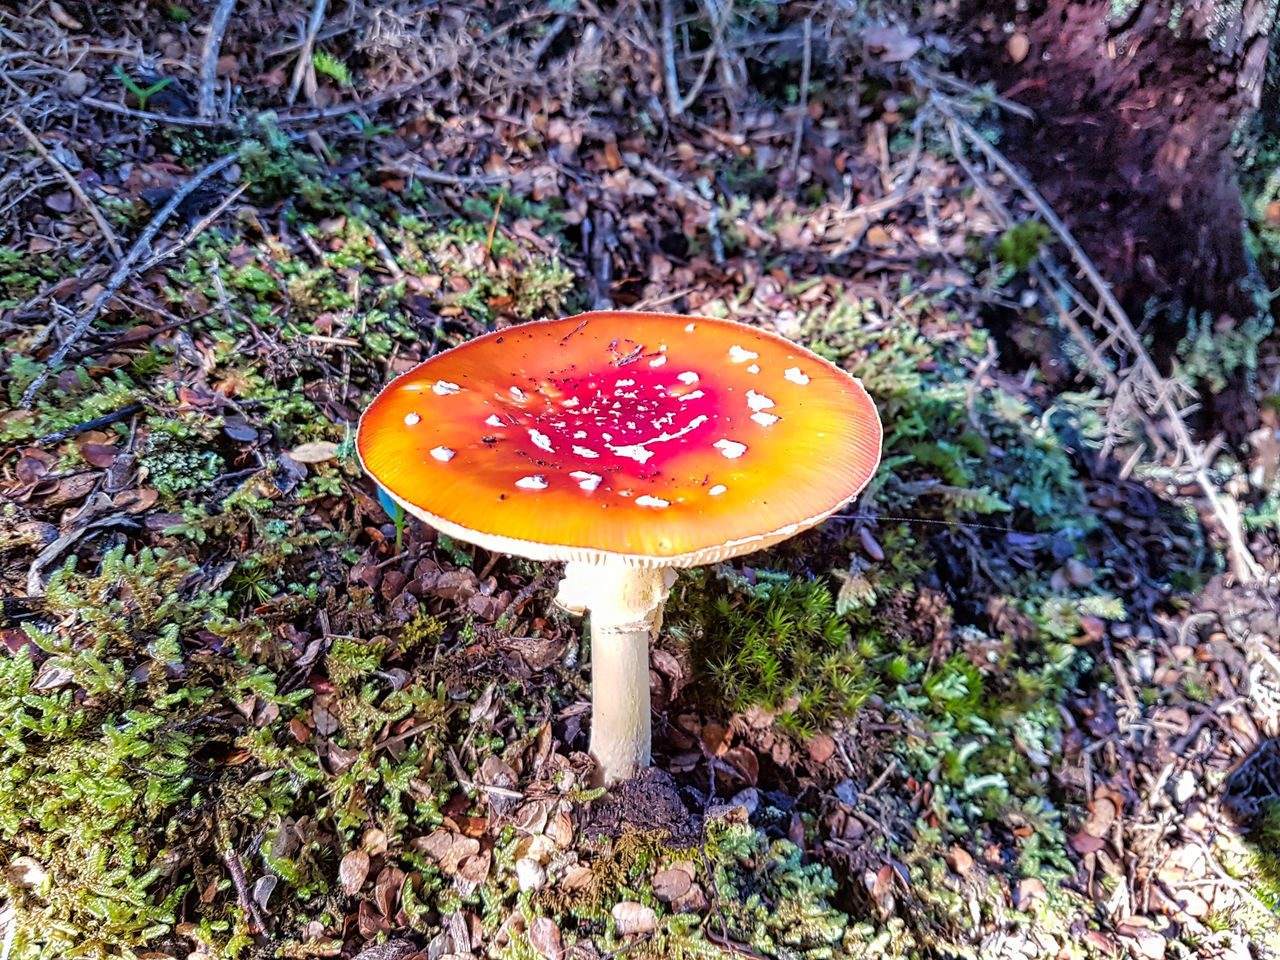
x: 1031, y: 891
x: 544, y: 936
x: 1018, y: 47
x: 632, y: 917
x: 960, y: 860
x: 62, y: 202
x: 821, y: 748
x: 237, y: 428
x: 370, y: 922
x: 62, y: 18
x: 317, y: 451
x: 461, y: 848
x: 98, y: 454
x: 670, y: 884
x: 387, y: 887
x: 137, y: 501
x: 1145, y: 942
x: 435, y: 845
x: 352, y: 872
x: 893, y: 44
x: 25, y: 872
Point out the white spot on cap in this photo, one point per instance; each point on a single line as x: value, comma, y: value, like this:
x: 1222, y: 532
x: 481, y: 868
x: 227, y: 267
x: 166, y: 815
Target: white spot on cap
x: 634, y: 452
x: 587, y: 481
x: 795, y: 376
x: 764, y: 419
x: 540, y: 440
x: 688, y: 377
x: 738, y: 355
x: 410, y: 419
x: 730, y: 448
x: 718, y: 489
x: 657, y: 361
x: 690, y: 327
x: 754, y: 368
x: 585, y: 452
x: 536, y: 482
x: 517, y: 394
x: 443, y: 388
x: 443, y: 454
x: 691, y: 396
x: 580, y: 435
x: 624, y: 383
x: 571, y: 402
x: 413, y: 387
x: 648, y: 501
x: 493, y: 421
x: 758, y: 401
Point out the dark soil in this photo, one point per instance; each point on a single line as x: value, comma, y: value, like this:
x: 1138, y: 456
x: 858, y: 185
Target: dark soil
x: 1131, y: 146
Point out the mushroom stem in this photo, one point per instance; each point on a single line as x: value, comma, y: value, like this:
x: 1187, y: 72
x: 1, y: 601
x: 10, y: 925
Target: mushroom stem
x: 626, y: 613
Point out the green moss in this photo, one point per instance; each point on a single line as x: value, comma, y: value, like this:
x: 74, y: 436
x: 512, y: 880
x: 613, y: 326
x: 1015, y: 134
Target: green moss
x: 777, y: 644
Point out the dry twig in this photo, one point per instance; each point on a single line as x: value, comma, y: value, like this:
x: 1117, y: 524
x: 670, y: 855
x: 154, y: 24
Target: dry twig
x: 445, y: 179
x: 195, y: 231
x: 1154, y: 392
x: 209, y: 65
x: 650, y: 169
x: 303, y: 66
x: 797, y: 141
x: 677, y: 102
x: 122, y: 273
x: 125, y: 111
x: 108, y: 234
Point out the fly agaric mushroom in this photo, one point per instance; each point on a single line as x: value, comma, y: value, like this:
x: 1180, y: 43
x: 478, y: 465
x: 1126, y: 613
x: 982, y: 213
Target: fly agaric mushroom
x: 627, y: 444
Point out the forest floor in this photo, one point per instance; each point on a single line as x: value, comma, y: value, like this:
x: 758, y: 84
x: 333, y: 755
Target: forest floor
x: 1020, y: 700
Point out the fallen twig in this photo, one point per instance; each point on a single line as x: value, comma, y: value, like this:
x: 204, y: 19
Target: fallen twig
x: 209, y: 57
x: 423, y: 172
x: 236, y: 869
x: 650, y: 169
x: 124, y: 413
x: 303, y: 66
x: 548, y: 38
x: 797, y: 141
x: 126, y: 111
x: 1157, y: 392
x: 108, y: 234
x: 677, y: 102
x: 200, y: 227
x: 122, y: 273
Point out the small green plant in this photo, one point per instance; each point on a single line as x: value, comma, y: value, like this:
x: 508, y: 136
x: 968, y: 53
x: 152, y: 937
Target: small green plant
x: 142, y: 93
x: 368, y: 131
x: 331, y: 66
x: 1021, y: 244
x: 779, y: 645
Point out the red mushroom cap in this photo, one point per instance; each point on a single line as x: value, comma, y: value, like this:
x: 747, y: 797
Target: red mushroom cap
x: 654, y: 439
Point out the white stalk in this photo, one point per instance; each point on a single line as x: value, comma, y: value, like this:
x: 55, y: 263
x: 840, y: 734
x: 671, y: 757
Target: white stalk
x: 626, y: 613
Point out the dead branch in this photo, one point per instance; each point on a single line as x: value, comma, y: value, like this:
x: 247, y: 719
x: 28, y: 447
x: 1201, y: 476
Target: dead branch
x: 126, y: 111
x: 122, y: 273
x: 209, y: 57
x: 108, y: 234
x: 677, y: 102
x: 797, y: 141
x: 650, y: 169
x: 445, y: 179
x: 1155, y: 392
x: 303, y: 67
x: 195, y: 231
